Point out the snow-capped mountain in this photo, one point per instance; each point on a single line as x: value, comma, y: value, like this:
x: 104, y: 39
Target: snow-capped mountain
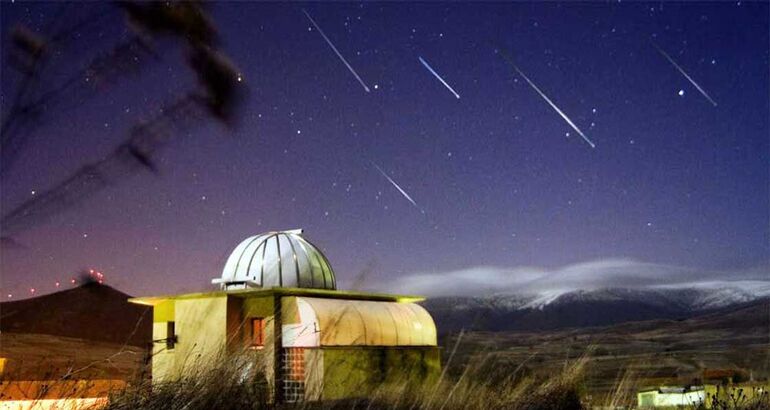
x: 599, y: 307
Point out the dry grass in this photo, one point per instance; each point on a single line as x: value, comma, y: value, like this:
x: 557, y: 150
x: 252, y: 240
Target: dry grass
x: 742, y: 398
x: 233, y: 384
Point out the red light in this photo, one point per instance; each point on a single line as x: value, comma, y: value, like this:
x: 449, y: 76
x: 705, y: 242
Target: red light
x: 31, y: 290
x: 57, y: 284
x: 10, y: 296
x: 72, y: 281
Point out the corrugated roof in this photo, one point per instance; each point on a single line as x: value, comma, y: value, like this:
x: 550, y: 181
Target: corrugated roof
x: 311, y: 321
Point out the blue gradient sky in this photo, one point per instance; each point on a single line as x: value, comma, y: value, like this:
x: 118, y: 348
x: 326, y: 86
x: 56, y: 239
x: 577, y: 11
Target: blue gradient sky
x: 503, y: 179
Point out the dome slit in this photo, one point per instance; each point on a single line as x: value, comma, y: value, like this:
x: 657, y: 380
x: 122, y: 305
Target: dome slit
x: 253, y: 255
x: 296, y: 263
x: 262, y: 263
x: 238, y: 262
x: 329, y: 270
x: 320, y: 265
x: 310, y: 263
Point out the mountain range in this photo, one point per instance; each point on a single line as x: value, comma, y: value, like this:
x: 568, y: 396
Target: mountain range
x: 585, y: 308
x: 101, y: 313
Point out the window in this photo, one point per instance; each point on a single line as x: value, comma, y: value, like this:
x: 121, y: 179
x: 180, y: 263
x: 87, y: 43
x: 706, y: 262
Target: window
x: 293, y: 374
x: 257, y: 340
x: 170, y: 336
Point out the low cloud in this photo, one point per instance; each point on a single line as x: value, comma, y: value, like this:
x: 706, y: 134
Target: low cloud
x: 598, y: 274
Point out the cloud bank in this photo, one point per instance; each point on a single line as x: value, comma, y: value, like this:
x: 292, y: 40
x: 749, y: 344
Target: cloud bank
x: 592, y: 275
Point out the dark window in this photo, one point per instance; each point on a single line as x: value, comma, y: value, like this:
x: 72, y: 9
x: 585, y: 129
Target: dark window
x: 257, y: 333
x: 170, y: 335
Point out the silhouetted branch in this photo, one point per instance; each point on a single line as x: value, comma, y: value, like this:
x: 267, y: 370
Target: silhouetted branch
x: 126, y: 159
x: 218, y: 95
x: 126, y: 59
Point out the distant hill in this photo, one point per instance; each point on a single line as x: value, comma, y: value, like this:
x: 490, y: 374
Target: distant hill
x: 640, y: 353
x: 577, y: 309
x: 91, y: 311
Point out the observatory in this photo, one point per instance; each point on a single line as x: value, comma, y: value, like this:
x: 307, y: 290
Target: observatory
x: 278, y: 306
x: 283, y: 259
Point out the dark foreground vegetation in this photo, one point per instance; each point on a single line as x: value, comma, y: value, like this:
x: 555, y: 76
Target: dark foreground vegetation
x: 235, y: 383
x: 235, y: 386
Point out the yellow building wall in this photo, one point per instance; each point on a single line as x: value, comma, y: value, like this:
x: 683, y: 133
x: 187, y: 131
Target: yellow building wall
x: 314, y: 374
x: 209, y: 326
x: 258, y: 307
x: 162, y: 359
x: 358, y: 372
x: 201, y: 330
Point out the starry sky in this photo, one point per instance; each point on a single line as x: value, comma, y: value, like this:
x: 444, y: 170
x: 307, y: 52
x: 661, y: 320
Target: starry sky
x: 498, y: 177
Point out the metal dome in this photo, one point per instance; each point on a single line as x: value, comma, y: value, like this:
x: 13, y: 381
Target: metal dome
x: 277, y: 259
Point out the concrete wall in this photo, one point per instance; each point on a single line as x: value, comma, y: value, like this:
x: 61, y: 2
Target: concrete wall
x: 206, y: 328
x: 257, y: 307
x: 201, y: 326
x: 358, y: 371
x: 162, y: 359
x: 201, y: 330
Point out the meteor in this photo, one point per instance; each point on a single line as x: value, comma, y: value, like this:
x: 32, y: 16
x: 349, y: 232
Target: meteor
x: 366, y: 88
x: 408, y: 198
x: 681, y: 70
x: 435, y: 74
x: 548, y: 100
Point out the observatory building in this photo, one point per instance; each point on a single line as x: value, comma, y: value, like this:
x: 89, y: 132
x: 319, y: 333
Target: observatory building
x: 278, y: 305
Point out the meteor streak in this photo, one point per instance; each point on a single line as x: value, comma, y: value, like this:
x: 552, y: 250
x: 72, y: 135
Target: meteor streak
x: 681, y: 70
x: 366, y: 88
x: 435, y: 74
x: 408, y: 198
x: 548, y: 100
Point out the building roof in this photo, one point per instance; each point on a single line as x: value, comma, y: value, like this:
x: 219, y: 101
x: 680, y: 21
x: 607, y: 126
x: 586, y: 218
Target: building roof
x: 277, y: 291
x: 313, y: 322
x: 282, y: 259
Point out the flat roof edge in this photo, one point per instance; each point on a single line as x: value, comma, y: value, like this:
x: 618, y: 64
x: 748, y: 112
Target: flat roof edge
x: 333, y: 294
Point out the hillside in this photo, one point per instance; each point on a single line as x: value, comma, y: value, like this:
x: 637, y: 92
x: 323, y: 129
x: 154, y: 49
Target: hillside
x: 46, y: 357
x: 629, y: 355
x: 91, y: 311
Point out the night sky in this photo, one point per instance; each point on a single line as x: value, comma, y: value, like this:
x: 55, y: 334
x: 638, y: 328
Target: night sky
x: 499, y: 178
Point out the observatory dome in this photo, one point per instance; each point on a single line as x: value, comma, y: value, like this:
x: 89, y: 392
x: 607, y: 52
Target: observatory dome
x: 277, y: 259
